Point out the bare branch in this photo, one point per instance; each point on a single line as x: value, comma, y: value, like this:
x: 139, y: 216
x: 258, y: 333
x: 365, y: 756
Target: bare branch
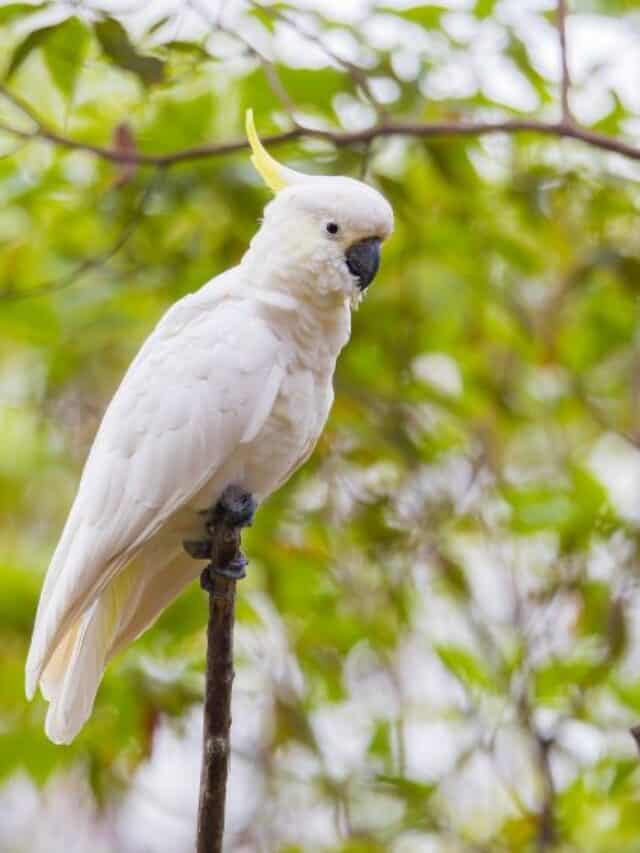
x: 357, y: 74
x: 224, y: 521
x: 565, y: 82
x: 274, y: 82
x: 384, y: 128
x: 600, y: 416
x: 426, y: 130
x: 546, y: 821
x: 546, y: 835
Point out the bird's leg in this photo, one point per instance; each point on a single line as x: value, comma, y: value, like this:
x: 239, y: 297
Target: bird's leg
x: 223, y: 524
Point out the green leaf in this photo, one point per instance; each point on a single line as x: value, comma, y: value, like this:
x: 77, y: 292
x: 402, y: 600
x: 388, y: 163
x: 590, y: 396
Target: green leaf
x: 15, y: 11
x: 65, y: 50
x: 380, y: 743
x: 467, y: 668
x: 628, y: 693
x: 415, y: 793
x: 484, y: 8
x: 264, y: 17
x: 427, y: 15
x: 192, y: 47
x: 612, y: 121
x: 26, y: 47
x: 575, y: 510
x: 540, y: 507
x: 518, y: 51
x: 555, y: 681
x: 115, y: 42
x: 179, y: 123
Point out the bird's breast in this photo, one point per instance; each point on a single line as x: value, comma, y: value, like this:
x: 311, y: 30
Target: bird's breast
x: 290, y: 432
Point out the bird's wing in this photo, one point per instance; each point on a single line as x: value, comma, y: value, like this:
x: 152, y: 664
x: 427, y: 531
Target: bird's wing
x: 204, y: 381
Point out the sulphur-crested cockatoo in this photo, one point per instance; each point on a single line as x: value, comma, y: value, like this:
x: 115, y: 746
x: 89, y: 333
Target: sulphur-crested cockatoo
x: 233, y: 386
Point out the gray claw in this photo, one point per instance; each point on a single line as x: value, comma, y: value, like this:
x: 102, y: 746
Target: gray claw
x: 199, y: 549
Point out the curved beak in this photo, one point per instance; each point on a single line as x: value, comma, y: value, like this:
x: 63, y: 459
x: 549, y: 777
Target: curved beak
x: 363, y: 260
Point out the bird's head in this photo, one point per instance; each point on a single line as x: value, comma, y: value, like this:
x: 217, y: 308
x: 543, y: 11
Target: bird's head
x: 320, y: 233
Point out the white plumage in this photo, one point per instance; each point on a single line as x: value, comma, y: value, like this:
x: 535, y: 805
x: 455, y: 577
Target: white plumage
x: 233, y: 386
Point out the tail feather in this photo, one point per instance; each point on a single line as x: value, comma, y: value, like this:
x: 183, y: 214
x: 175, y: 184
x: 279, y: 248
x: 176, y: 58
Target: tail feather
x: 53, y: 676
x: 72, y: 697
x: 62, y: 610
x: 128, y: 605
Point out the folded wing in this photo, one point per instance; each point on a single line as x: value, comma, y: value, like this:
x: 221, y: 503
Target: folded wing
x: 189, y: 398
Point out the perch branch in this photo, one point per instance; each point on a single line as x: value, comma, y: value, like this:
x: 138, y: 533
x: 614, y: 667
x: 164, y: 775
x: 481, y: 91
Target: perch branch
x: 217, y: 716
x: 223, y: 524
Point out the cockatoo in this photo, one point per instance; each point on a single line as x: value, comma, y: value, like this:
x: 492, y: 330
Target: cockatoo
x: 233, y: 386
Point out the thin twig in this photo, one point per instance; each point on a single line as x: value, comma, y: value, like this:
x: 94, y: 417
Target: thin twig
x: 14, y: 295
x: 272, y: 77
x: 546, y: 835
x: 565, y: 82
x: 546, y: 820
x: 600, y: 416
x: 358, y: 75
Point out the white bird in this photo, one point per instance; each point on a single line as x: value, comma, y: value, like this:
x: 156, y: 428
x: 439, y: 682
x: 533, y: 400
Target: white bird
x: 233, y: 386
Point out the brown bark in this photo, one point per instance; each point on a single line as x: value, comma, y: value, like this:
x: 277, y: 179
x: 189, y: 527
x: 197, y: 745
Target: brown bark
x: 224, y: 524
x: 217, y: 715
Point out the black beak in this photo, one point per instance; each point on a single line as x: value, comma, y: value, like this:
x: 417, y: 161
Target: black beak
x: 363, y: 260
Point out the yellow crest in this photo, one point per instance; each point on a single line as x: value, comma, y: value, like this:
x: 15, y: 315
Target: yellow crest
x: 275, y: 176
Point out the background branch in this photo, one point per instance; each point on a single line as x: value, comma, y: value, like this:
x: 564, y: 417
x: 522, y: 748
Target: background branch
x: 9, y: 294
x: 565, y: 82
x: 418, y: 130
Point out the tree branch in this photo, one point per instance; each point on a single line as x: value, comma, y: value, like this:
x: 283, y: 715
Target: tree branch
x: 565, y: 82
x: 217, y: 716
x: 358, y: 75
x: 546, y: 827
x: 223, y: 523
x: 272, y: 77
x: 426, y: 130
x: 546, y: 820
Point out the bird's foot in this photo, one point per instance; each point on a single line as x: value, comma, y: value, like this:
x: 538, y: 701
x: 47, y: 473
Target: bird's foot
x: 221, y: 544
x: 235, y: 570
x: 235, y: 508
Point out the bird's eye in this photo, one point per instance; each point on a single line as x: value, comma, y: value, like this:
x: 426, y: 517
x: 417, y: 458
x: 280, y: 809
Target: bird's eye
x: 332, y: 228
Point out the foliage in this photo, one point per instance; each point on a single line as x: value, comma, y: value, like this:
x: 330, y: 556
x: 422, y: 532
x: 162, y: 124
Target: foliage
x: 453, y: 577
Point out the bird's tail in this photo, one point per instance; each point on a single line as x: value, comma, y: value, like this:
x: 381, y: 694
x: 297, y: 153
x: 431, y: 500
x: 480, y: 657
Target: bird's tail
x: 129, y: 604
x: 71, y: 678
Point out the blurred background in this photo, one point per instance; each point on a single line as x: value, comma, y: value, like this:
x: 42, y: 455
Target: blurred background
x: 437, y: 648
